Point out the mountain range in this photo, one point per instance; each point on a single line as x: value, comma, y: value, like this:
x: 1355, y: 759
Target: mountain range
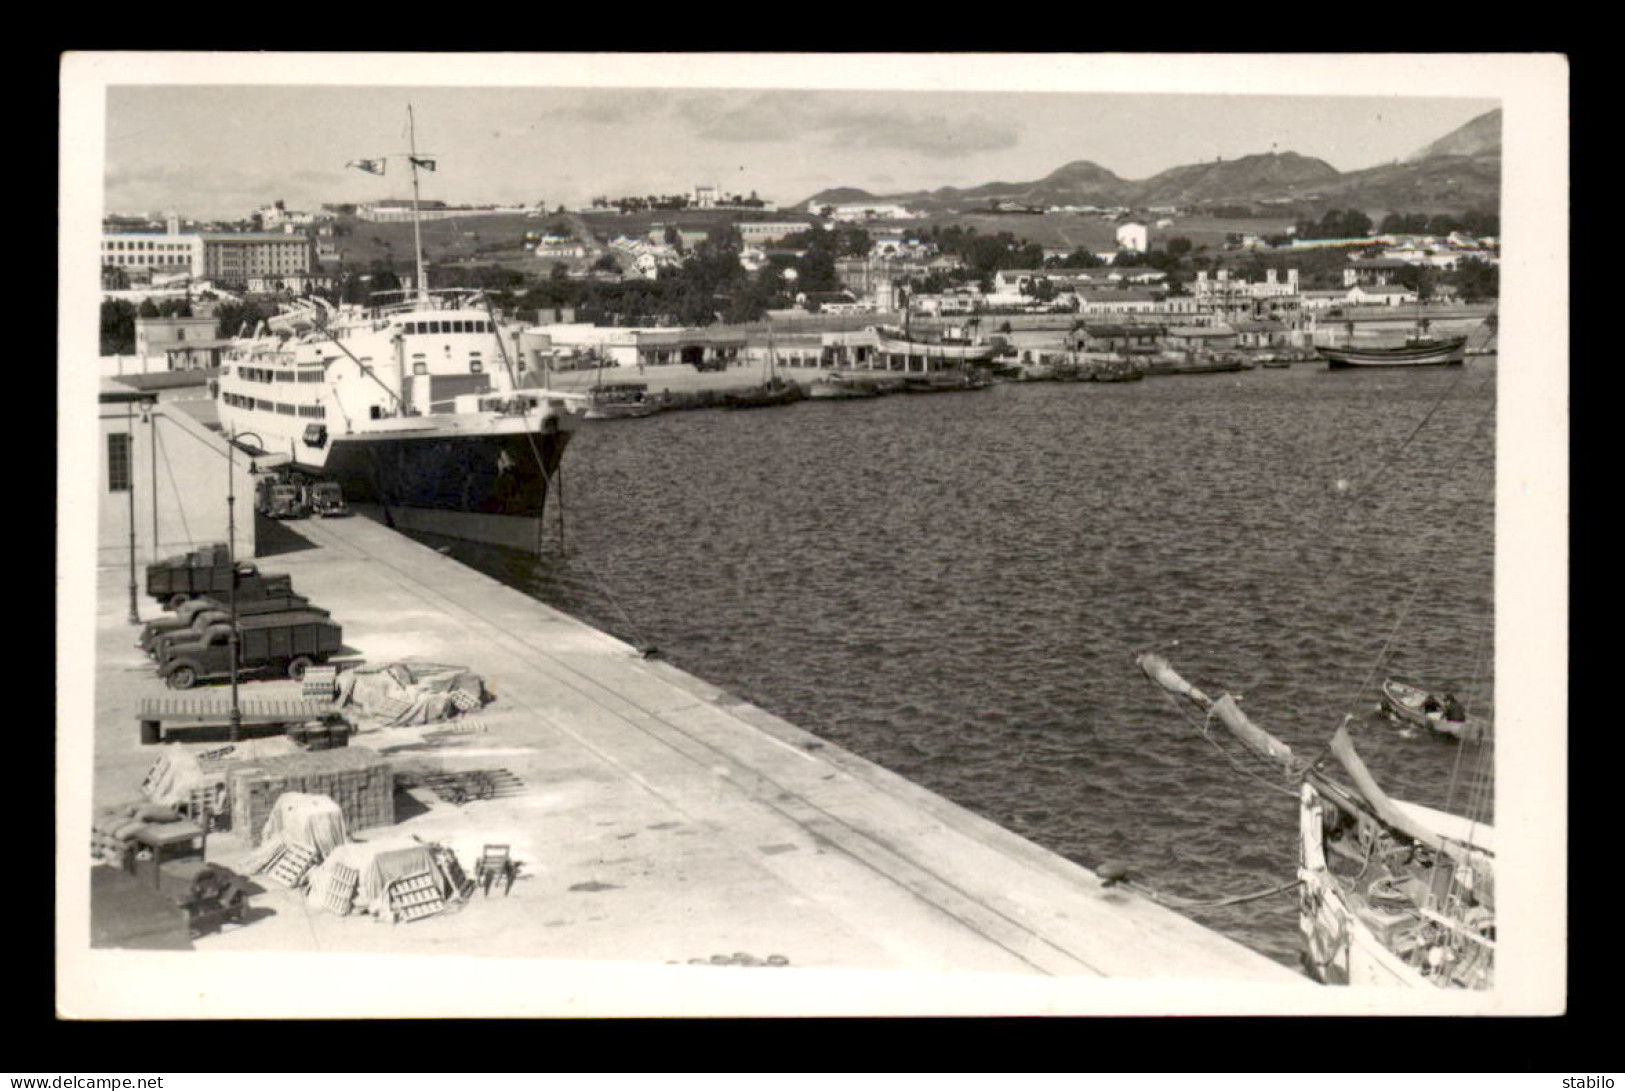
x: 1460, y: 171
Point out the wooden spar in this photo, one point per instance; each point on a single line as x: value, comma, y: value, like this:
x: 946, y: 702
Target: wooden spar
x: 1225, y: 710
x: 1157, y: 669
x: 1255, y: 738
x: 1342, y: 747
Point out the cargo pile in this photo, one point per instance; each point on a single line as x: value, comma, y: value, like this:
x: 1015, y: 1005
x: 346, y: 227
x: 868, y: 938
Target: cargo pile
x: 356, y: 779
x: 405, y: 693
x: 113, y: 828
x: 397, y: 880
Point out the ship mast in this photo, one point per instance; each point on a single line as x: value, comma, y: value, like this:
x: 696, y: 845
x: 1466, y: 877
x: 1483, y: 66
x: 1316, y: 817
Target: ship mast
x: 417, y: 229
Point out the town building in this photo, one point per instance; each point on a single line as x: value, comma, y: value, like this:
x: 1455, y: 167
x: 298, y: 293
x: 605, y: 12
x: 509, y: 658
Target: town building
x: 399, y: 210
x: 859, y: 212
x: 1373, y: 271
x: 769, y: 231
x: 1135, y: 237
x: 234, y: 260
x: 148, y: 253
x: 1386, y: 295
x: 162, y: 479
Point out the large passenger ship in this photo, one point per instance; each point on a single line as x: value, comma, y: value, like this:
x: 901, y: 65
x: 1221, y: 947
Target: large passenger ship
x: 421, y: 407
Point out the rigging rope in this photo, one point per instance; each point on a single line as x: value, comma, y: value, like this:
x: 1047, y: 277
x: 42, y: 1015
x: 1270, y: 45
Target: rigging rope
x: 1174, y: 902
x: 1430, y: 567
x: 557, y: 479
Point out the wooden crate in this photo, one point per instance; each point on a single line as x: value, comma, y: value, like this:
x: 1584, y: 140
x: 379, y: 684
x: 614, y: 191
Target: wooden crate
x: 415, y: 897
x: 290, y: 865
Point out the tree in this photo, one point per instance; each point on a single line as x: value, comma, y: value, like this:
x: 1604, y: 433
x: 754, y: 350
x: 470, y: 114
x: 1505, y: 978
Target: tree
x: 1420, y: 279
x: 117, y: 327
x: 1477, y: 280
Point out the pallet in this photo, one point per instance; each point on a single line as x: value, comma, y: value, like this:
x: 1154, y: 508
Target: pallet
x: 337, y: 892
x: 290, y: 865
x: 473, y: 784
x: 415, y: 897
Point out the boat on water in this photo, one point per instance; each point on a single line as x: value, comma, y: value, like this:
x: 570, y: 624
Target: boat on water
x: 417, y: 404
x: 620, y: 401
x: 1199, y: 363
x: 1390, y: 893
x: 1440, y: 714
x: 775, y: 391
x: 1415, y: 352
x: 903, y: 345
x: 946, y: 381
x: 842, y: 387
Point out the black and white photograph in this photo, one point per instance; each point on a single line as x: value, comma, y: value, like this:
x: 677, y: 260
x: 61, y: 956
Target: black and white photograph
x: 808, y: 534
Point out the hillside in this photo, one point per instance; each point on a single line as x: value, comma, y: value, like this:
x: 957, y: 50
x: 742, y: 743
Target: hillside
x: 1459, y: 171
x: 1480, y: 136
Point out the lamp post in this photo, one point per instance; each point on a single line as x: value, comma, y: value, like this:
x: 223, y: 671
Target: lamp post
x: 231, y: 557
x: 129, y: 458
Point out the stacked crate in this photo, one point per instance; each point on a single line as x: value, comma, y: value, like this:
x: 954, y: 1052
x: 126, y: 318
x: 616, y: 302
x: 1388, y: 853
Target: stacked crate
x: 355, y: 778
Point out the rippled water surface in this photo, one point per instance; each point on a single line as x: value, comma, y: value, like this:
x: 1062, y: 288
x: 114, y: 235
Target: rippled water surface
x: 955, y: 586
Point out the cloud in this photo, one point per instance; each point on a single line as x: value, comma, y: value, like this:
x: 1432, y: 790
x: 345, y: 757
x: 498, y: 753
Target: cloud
x: 611, y: 107
x: 777, y: 117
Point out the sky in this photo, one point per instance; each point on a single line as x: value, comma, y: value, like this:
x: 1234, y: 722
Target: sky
x: 219, y: 149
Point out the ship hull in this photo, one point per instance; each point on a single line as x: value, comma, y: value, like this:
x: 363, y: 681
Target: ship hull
x: 491, y: 489
x: 1432, y: 354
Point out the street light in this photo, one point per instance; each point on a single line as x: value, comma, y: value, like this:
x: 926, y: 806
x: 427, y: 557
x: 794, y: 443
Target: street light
x: 231, y: 557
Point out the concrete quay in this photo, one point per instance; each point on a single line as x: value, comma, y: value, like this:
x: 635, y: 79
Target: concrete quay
x: 664, y: 822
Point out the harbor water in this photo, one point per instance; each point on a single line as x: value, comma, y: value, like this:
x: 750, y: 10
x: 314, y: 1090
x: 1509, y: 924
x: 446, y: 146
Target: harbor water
x: 956, y: 587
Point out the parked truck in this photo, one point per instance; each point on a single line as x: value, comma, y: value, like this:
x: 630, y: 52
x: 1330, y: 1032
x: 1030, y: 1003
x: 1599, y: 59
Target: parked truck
x: 277, y: 643
x: 198, y: 614
x: 204, y: 571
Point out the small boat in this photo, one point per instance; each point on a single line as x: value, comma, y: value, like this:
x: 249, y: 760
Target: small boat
x: 617, y: 401
x: 773, y: 390
x: 835, y: 387
x: 1417, y: 707
x: 939, y: 382
x: 1415, y: 352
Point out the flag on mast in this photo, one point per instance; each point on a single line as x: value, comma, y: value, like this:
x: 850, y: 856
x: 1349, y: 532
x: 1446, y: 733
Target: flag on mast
x: 426, y: 164
x: 371, y: 166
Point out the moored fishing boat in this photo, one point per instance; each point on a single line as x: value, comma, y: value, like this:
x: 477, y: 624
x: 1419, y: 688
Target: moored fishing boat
x: 1390, y: 893
x: 619, y: 401
x: 840, y: 387
x: 1416, y: 352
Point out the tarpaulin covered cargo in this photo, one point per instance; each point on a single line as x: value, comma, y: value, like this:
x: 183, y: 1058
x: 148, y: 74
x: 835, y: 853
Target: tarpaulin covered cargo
x: 393, y: 879
x: 405, y: 693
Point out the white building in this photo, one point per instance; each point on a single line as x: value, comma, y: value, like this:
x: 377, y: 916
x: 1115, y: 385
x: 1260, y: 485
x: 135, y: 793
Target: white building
x: 857, y: 213
x: 1388, y: 295
x: 1134, y: 236
x: 163, y: 473
x: 752, y: 233
x: 173, y: 253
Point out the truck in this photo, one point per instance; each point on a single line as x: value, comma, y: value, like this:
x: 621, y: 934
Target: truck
x: 204, y: 571
x: 198, y: 614
x: 268, y: 644
x: 327, y: 499
x: 279, y: 496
